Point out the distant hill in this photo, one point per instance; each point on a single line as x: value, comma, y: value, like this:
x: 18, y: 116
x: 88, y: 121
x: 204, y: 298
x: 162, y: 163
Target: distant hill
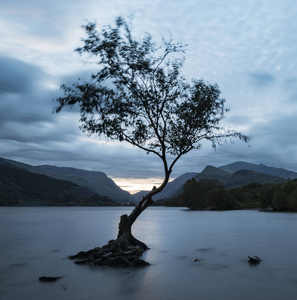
x: 170, y: 189
x: 279, y: 172
x: 239, y: 178
x: 138, y: 196
x: 228, y: 179
x: 175, y: 187
x: 97, y: 182
x: 244, y: 177
x: 20, y: 187
x: 211, y: 172
x: 232, y: 175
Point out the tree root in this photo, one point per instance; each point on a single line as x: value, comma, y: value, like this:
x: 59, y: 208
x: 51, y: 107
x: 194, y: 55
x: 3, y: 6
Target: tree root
x: 113, y: 254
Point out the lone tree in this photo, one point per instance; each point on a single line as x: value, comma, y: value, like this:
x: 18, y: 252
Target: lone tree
x: 139, y: 96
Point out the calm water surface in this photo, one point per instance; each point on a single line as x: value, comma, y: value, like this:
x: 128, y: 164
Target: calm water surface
x: 34, y: 242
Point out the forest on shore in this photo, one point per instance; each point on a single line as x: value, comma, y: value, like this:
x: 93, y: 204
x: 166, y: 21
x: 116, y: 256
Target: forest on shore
x: 210, y: 194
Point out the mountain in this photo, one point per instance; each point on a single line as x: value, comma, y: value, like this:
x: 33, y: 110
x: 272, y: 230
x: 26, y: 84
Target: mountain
x: 240, y: 165
x: 20, y: 187
x: 232, y: 175
x: 97, y: 182
x: 211, y: 172
x: 229, y: 180
x: 170, y: 189
x: 244, y: 177
x: 239, y: 178
x: 138, y: 196
x: 173, y: 186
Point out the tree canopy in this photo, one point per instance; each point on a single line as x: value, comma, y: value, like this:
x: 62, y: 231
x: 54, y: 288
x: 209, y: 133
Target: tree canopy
x: 140, y: 96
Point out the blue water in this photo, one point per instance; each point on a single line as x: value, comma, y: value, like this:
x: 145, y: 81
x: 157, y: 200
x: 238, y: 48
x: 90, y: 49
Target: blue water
x: 35, y: 241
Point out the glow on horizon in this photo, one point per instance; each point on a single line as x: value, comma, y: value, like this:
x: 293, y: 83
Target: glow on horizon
x: 134, y: 185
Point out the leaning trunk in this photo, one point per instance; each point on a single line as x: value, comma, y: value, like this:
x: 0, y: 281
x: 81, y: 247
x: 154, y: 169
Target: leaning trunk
x: 125, y: 226
x: 126, y: 250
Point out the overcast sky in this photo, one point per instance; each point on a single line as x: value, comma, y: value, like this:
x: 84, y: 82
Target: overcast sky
x: 249, y: 48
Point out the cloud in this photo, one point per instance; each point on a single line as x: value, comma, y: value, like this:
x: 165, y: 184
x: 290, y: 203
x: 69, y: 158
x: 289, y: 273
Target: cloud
x: 26, y: 105
x: 261, y: 79
x: 31, y: 133
x: 17, y: 76
x: 290, y: 88
x: 248, y: 49
x: 25, y: 93
x: 42, y: 18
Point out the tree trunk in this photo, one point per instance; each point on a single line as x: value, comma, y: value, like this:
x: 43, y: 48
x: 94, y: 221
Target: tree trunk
x: 125, y: 226
x: 126, y: 250
x: 125, y: 236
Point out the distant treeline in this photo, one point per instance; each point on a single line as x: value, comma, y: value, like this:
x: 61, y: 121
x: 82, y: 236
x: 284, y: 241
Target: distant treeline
x: 211, y: 195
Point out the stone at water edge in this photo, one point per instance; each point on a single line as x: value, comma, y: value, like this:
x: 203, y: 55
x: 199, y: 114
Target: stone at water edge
x: 255, y: 260
x: 49, y: 279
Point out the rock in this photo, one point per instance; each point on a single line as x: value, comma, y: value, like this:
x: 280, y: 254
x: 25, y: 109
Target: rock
x: 113, y: 255
x: 255, y: 260
x: 49, y: 279
x: 81, y: 261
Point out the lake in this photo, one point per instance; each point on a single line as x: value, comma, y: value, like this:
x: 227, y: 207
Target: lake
x: 36, y: 240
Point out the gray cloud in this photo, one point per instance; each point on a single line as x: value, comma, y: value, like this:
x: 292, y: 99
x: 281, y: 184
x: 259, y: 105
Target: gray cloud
x: 26, y: 106
x: 16, y: 76
x: 42, y: 18
x: 246, y: 48
x: 24, y: 92
x: 261, y: 79
x: 290, y: 87
x: 31, y: 133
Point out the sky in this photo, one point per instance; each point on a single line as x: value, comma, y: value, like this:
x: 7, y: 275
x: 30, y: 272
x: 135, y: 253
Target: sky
x: 249, y: 48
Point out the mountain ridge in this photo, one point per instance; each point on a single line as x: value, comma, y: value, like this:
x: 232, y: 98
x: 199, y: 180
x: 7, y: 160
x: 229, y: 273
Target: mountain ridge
x: 245, y: 177
x: 99, y: 183
x: 241, y: 165
x: 224, y: 174
x: 21, y: 187
x: 96, y: 181
x: 170, y: 188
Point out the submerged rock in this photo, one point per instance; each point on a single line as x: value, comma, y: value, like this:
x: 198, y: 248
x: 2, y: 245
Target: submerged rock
x: 111, y: 255
x: 49, y: 279
x: 255, y: 260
